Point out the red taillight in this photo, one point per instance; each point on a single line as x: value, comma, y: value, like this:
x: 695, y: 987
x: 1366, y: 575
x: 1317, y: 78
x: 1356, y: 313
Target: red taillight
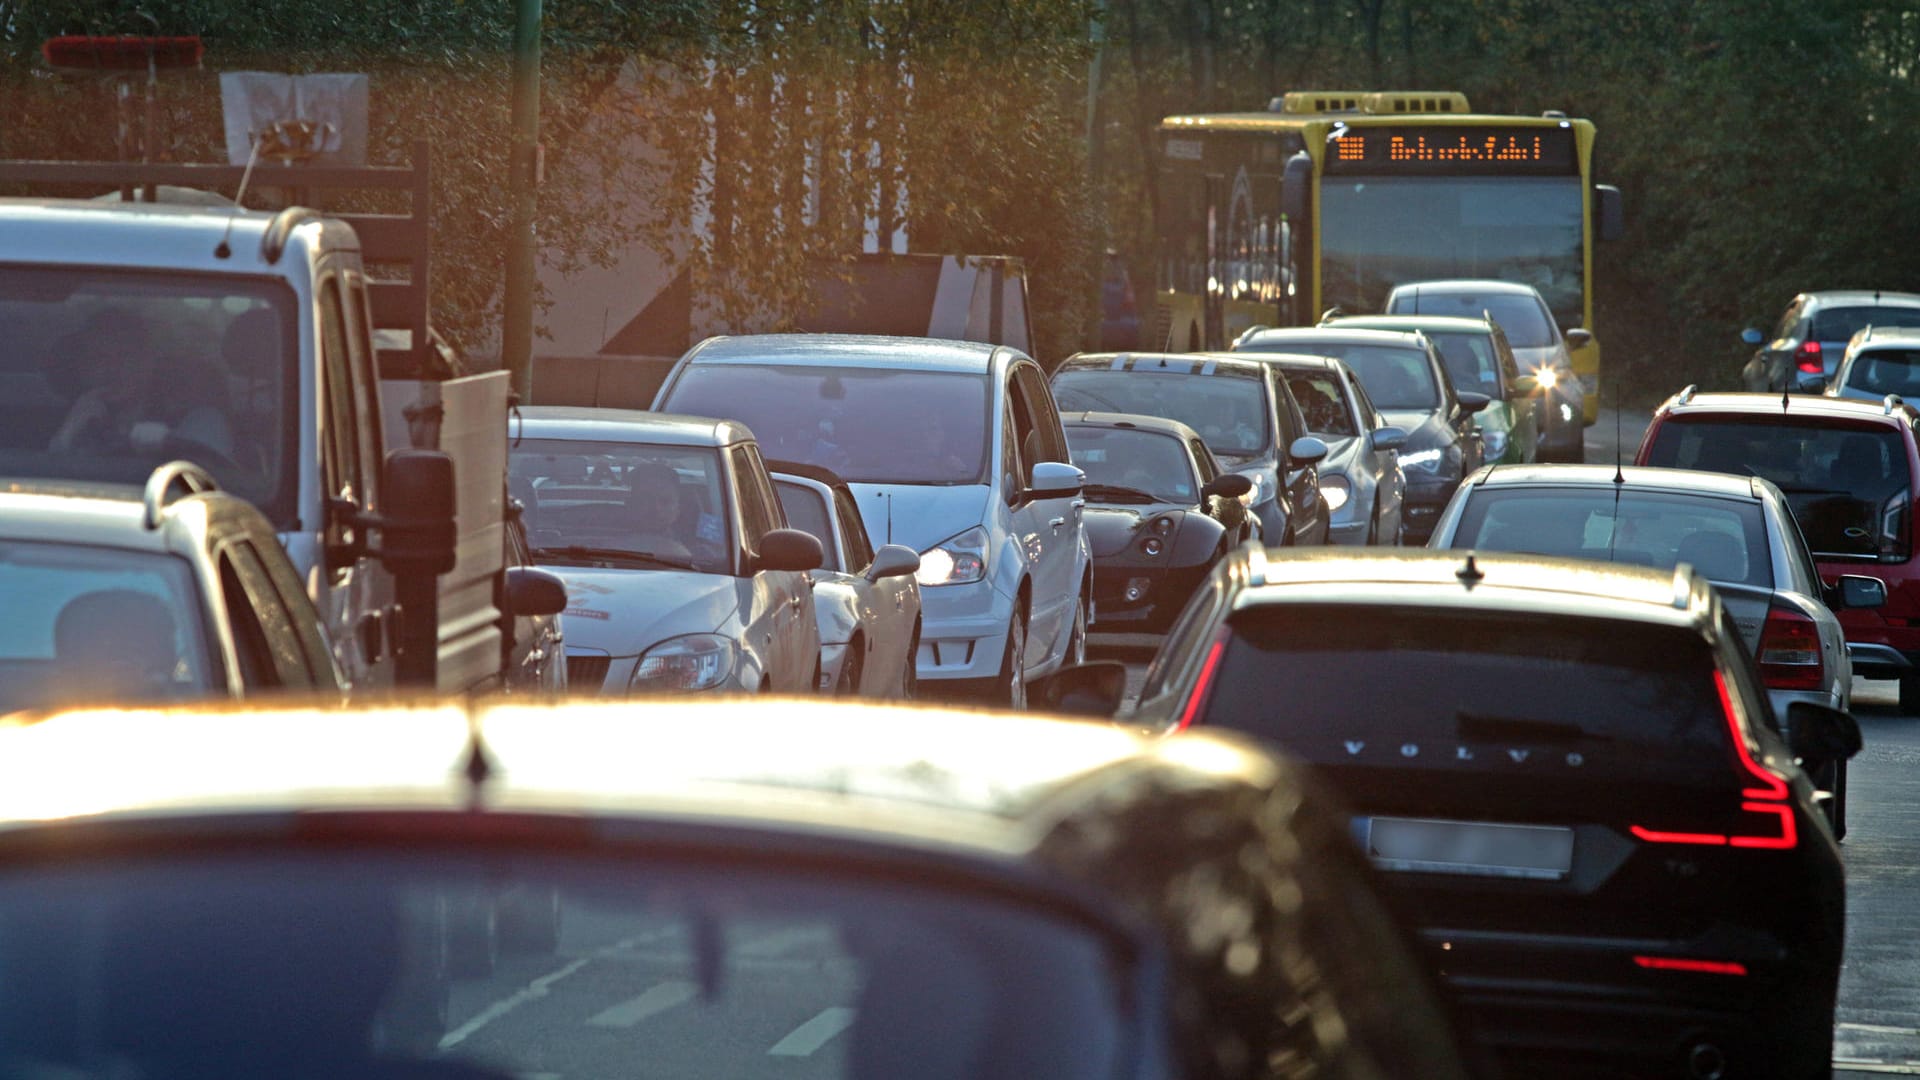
x: 1790, y: 651
x: 1769, y: 816
x: 1680, y: 963
x: 1810, y: 358
x: 1203, y: 685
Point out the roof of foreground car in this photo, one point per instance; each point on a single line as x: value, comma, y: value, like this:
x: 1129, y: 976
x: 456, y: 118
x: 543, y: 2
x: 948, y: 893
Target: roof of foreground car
x: 627, y: 426
x: 847, y: 350
x: 891, y: 775
x: 1770, y: 404
x: 1472, y: 579
x: 1633, y: 477
x: 1129, y: 420
x: 64, y: 511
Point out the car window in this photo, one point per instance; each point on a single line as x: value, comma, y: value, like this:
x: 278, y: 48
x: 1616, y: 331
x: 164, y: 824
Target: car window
x: 854, y: 530
x: 341, y: 462
x: 1469, y: 360
x: 1523, y: 317
x: 86, y: 622
x: 1396, y: 376
x: 1800, y: 555
x: 1293, y: 422
x: 1886, y: 371
x: 586, y: 500
x: 366, y: 383
x: 806, y: 510
x: 1834, y: 324
x: 1133, y: 466
x: 1848, y: 486
x: 1789, y: 321
x: 849, y: 420
x: 1724, y: 539
x: 1323, y: 401
x: 1203, y: 461
x: 328, y: 955
x: 1045, y: 417
x: 759, y: 509
x: 241, y: 565
x: 1370, y: 418
x: 1509, y: 366
x: 1228, y: 408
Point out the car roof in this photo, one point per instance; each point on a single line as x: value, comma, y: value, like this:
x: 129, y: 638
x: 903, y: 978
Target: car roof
x: 590, y: 424
x: 849, y: 350
x: 805, y: 471
x: 150, y: 235
x: 1632, y: 478
x: 1447, y: 324
x: 1461, y: 285
x: 1171, y: 363
x: 1893, y: 336
x: 1811, y: 406
x: 906, y: 777
x: 1401, y: 339
x: 1864, y: 297
x: 1142, y: 422
x: 108, y: 515
x: 1295, y: 360
x: 1472, y: 580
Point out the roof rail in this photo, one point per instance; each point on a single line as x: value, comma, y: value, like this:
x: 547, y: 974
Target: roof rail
x: 1892, y: 402
x: 1250, y: 331
x: 1686, y: 395
x: 1257, y: 566
x: 274, y: 241
x: 174, y: 474
x: 1682, y: 586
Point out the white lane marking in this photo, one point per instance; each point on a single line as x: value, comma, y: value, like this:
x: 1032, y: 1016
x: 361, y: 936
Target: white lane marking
x: 539, y: 987
x: 814, y: 1034
x: 657, y: 999
x: 1878, y: 1029
x: 1867, y: 1065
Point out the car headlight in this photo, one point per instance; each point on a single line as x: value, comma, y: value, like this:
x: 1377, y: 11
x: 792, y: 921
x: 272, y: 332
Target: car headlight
x: 956, y: 561
x: 1263, y: 489
x: 693, y: 662
x: 1547, y: 377
x: 1496, y: 442
x: 1422, y: 460
x: 1336, y: 491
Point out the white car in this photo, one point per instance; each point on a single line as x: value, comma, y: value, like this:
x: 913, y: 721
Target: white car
x: 866, y: 601
x: 681, y: 572
x: 952, y: 447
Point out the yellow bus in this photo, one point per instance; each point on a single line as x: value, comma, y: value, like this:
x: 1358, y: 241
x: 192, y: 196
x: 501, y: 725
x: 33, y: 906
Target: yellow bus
x: 1330, y: 199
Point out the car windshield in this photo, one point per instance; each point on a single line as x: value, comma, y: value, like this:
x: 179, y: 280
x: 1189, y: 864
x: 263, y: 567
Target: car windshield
x: 1229, y: 410
x: 867, y: 425
x: 1838, y: 324
x: 587, y: 502
x: 1140, y: 461
x: 339, y: 964
x: 1469, y: 360
x: 1847, y: 485
x: 1724, y: 539
x: 1323, y: 398
x: 1396, y: 376
x: 106, y: 374
x: 88, y: 623
x: 807, y: 511
x: 1520, y: 317
x: 1886, y: 371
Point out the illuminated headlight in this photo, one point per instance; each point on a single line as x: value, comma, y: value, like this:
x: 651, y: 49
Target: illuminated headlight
x: 1496, y: 442
x: 1547, y: 377
x: 957, y: 561
x: 1152, y: 545
x: 1336, y: 491
x: 1566, y: 412
x: 693, y: 662
x: 1423, y: 460
x: 1262, y: 491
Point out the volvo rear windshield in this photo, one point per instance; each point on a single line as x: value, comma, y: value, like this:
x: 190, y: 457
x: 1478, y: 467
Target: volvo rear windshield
x: 1635, y: 700
x: 1847, y: 484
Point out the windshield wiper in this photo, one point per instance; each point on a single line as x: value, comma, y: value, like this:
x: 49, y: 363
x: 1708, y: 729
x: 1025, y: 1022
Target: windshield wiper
x: 1116, y: 493
x: 583, y: 551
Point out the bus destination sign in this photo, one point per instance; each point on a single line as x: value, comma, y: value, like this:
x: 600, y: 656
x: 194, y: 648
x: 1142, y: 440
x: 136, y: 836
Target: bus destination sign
x: 1450, y: 149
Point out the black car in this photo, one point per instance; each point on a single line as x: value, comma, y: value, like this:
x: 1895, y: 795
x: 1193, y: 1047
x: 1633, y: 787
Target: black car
x: 800, y: 889
x: 1243, y: 412
x: 1159, y: 514
x: 1407, y: 380
x: 1587, y: 805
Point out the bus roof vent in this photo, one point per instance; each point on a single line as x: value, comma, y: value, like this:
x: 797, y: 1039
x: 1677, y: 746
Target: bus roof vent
x: 1400, y: 102
x: 1319, y: 101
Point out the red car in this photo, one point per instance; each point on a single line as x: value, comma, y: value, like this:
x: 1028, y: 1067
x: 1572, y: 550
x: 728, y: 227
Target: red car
x: 1849, y: 470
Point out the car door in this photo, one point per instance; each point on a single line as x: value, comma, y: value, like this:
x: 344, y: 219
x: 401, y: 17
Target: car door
x: 1050, y: 527
x: 772, y: 602
x: 888, y: 607
x: 1390, y: 484
x: 1472, y: 448
x: 1310, y: 516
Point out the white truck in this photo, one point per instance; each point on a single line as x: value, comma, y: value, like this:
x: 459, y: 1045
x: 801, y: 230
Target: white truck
x: 134, y: 332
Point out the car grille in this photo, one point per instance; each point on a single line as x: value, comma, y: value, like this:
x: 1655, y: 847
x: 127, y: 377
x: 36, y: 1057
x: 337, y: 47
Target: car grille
x: 587, y: 672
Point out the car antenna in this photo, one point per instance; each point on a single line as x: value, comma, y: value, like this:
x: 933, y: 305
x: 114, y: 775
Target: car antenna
x: 1619, y: 447
x: 478, y: 768
x: 1784, y: 398
x: 889, y: 517
x: 1470, y: 574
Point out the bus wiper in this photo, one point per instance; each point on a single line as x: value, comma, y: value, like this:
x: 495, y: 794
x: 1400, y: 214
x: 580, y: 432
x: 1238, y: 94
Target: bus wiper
x: 1117, y: 493
x: 611, y: 554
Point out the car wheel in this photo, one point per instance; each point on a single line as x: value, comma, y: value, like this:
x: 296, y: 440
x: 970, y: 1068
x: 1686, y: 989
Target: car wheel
x: 1010, y: 688
x: 1077, y: 641
x: 910, y: 671
x: 848, y: 685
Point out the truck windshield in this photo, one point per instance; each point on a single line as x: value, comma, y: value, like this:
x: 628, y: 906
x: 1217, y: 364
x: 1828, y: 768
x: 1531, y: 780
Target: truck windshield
x: 105, y: 374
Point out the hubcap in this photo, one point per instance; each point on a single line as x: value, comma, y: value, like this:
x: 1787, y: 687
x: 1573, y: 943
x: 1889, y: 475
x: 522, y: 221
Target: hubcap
x: 1016, y: 665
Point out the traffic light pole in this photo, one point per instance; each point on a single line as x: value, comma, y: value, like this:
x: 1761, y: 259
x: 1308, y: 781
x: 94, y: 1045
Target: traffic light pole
x: 516, y: 335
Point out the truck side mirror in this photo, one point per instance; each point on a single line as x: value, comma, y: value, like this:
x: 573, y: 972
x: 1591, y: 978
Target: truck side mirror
x: 533, y: 591
x: 1609, y: 212
x: 417, y: 536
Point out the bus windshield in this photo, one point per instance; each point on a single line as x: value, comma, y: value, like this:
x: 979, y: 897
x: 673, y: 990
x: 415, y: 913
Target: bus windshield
x: 1378, y: 232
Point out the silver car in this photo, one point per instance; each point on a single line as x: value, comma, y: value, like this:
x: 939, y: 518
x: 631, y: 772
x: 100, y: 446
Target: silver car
x: 952, y: 447
x: 1737, y: 531
x: 1360, y: 477
x: 865, y: 601
x: 681, y: 572
x: 1880, y: 360
x: 1523, y: 314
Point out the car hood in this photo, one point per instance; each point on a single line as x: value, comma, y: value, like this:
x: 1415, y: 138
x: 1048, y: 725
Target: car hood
x: 922, y: 514
x: 1343, y: 455
x: 1423, y: 428
x: 623, y: 612
x: 1111, y: 527
x: 1534, y: 359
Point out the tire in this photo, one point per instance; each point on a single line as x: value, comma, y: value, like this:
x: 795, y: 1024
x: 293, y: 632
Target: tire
x: 1910, y: 695
x: 1010, y: 686
x: 848, y: 684
x: 910, y: 672
x: 1077, y: 638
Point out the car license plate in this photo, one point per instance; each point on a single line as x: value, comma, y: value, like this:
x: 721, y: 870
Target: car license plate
x: 1536, y: 852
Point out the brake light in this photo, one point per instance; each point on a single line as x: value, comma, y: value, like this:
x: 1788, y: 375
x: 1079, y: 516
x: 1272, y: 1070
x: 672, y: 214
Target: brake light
x: 1769, y: 816
x: 1203, y: 686
x: 1678, y: 963
x: 1810, y: 358
x: 1789, y: 651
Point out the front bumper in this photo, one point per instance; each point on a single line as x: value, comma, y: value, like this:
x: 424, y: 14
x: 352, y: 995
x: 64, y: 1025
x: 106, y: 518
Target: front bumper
x: 963, y: 631
x: 1422, y: 506
x: 1131, y: 599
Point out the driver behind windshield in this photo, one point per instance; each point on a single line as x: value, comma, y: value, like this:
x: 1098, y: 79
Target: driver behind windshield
x: 133, y: 403
x: 653, y: 510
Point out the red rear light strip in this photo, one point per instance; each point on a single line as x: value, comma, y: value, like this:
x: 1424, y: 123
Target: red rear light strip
x: 1676, y: 963
x: 1810, y: 358
x: 1204, y: 684
x: 1774, y: 792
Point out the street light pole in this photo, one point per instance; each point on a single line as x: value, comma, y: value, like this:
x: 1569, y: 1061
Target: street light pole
x: 516, y: 333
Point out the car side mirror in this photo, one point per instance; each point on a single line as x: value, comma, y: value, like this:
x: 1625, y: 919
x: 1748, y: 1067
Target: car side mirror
x: 1819, y: 734
x: 789, y: 549
x: 1095, y: 688
x: 1524, y: 386
x: 420, y: 537
x: 1752, y: 336
x: 533, y: 591
x: 1579, y: 338
x: 893, y: 560
x: 1227, y: 486
x: 1307, y: 450
x: 1056, y: 479
x: 1388, y: 438
x: 1860, y: 591
x: 1472, y: 402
